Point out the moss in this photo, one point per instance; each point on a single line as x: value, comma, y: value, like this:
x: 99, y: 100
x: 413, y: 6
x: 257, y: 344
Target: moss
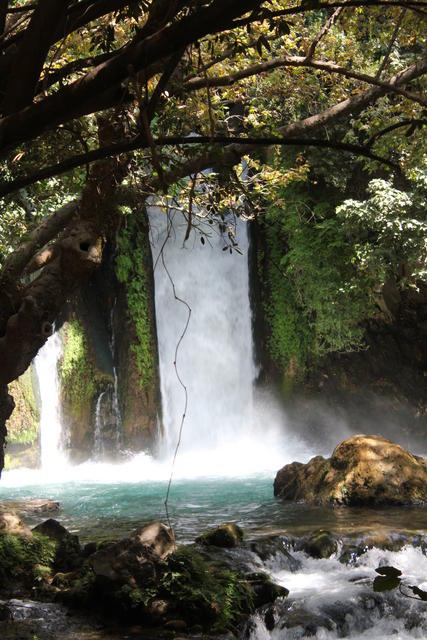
x: 23, y: 425
x: 288, y: 340
x: 219, y: 597
x: 132, y: 264
x: 194, y: 590
x: 21, y: 559
x: 80, y: 381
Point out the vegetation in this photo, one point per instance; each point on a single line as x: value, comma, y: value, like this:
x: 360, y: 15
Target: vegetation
x: 328, y: 258
x: 23, y: 558
x: 133, y: 266
x: 80, y: 382
x: 109, y: 97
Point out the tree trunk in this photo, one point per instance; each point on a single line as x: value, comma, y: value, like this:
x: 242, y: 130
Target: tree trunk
x: 28, y: 311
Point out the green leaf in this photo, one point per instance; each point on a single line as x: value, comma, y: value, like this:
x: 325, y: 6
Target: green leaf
x: 386, y: 584
x: 389, y: 572
x: 420, y: 593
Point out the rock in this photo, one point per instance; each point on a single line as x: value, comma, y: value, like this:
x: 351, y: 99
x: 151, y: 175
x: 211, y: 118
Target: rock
x: 33, y: 505
x: 362, y: 471
x: 321, y: 544
x: 68, y: 555
x: 11, y: 524
x: 5, y: 613
x: 226, y: 535
x: 132, y: 560
x: 265, y: 591
x: 273, y: 554
x: 176, y: 625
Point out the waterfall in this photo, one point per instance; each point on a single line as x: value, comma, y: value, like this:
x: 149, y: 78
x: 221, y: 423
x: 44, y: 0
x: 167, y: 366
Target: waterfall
x: 222, y: 430
x: 115, y: 398
x: 46, y: 362
x: 98, y: 444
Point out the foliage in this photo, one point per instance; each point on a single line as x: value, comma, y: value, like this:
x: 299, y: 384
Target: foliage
x: 79, y: 379
x: 23, y: 426
x: 389, y: 230
x: 22, y: 556
x: 133, y: 267
x: 390, y: 578
x: 328, y: 258
x: 204, y: 594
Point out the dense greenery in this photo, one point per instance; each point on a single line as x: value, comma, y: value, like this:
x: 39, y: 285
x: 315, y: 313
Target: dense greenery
x: 151, y: 94
x: 80, y: 382
x: 23, y: 560
x: 133, y: 267
x: 327, y: 259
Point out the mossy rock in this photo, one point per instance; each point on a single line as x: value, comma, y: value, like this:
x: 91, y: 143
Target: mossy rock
x: 24, y: 560
x: 227, y: 536
x: 321, y: 544
x: 265, y: 591
x: 68, y: 553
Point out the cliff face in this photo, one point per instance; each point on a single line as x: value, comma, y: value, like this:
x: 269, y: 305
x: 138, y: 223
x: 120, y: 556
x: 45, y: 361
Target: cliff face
x: 23, y: 442
x: 109, y: 372
x: 137, y: 357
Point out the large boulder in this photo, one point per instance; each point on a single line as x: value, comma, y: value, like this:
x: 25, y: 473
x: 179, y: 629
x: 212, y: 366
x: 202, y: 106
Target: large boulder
x: 363, y: 470
x: 134, y: 559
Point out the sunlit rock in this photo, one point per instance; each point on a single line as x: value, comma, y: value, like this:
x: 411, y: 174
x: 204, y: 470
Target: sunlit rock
x: 363, y: 470
x: 226, y: 535
x: 11, y: 524
x: 134, y: 559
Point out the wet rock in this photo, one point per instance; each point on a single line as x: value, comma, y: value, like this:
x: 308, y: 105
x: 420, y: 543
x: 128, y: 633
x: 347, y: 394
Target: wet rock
x: 226, y: 536
x: 321, y: 544
x: 11, y: 524
x: 134, y: 559
x: 363, y: 470
x: 273, y: 554
x: 265, y: 591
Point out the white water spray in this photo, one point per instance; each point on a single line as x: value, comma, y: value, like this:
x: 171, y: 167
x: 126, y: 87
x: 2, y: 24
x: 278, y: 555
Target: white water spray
x: 224, y: 432
x: 46, y: 362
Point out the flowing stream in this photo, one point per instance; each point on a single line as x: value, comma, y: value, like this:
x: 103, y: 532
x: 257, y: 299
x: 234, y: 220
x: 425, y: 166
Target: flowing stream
x: 234, y: 439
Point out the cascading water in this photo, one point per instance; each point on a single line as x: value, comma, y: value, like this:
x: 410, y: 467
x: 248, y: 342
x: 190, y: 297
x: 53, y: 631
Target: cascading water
x: 222, y: 432
x: 46, y: 361
x: 98, y: 444
x: 115, y: 399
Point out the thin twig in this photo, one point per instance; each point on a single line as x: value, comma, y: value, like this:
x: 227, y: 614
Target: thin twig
x: 390, y: 45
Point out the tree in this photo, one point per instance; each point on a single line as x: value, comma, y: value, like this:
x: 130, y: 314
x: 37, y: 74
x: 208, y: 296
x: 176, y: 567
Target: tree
x: 128, y: 81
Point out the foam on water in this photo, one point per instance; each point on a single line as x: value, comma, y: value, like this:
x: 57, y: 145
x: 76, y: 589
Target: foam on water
x: 334, y: 600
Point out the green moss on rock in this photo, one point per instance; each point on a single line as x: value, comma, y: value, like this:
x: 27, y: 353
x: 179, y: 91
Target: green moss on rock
x: 133, y: 263
x: 21, y: 559
x: 80, y: 381
x: 23, y: 425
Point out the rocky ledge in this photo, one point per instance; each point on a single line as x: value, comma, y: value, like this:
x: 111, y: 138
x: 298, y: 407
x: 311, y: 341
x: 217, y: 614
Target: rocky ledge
x: 362, y: 471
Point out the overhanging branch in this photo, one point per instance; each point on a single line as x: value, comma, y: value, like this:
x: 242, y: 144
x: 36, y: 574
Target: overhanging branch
x: 239, y: 145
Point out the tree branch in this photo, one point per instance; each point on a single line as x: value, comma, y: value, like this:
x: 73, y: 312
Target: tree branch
x: 31, y: 54
x: 59, y: 107
x: 236, y: 146
x: 266, y: 14
x: 397, y: 125
x: 324, y: 30
x: 48, y: 229
x: 390, y: 44
x: 301, y: 61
